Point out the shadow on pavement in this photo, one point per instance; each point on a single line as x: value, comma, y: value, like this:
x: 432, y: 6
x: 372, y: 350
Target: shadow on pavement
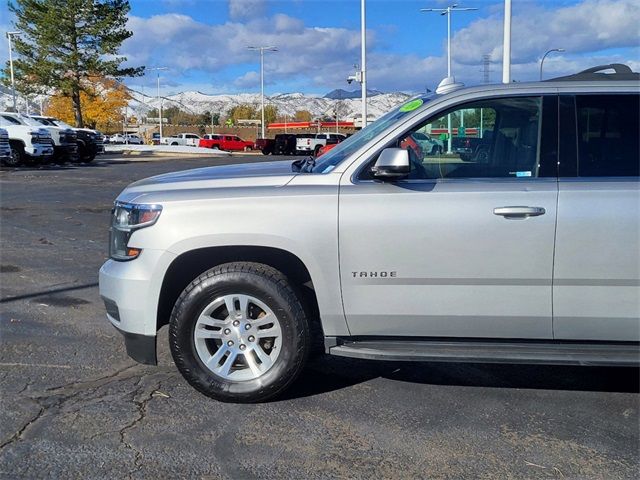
x: 328, y: 373
x: 48, y: 292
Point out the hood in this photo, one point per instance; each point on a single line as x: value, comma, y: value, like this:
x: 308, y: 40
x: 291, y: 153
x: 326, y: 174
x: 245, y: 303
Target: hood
x: 262, y: 174
x: 26, y: 130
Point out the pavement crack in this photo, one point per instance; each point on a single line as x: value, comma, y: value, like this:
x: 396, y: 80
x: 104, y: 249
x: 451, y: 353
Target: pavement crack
x: 141, y: 402
x: 17, y: 436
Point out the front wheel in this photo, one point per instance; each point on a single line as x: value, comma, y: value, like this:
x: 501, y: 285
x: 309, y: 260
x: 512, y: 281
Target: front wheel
x: 17, y: 155
x: 238, y: 333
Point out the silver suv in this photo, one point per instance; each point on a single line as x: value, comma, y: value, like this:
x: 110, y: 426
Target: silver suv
x: 383, y: 250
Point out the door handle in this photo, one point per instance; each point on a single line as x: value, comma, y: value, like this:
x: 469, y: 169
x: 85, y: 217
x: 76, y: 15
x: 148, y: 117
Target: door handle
x: 518, y: 212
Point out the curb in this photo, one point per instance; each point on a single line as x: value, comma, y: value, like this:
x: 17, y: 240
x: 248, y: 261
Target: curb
x: 137, y: 153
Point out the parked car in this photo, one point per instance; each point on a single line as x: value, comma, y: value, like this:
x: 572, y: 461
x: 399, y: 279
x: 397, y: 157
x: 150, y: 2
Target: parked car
x: 473, y: 148
x: 309, y: 144
x: 184, y: 139
x: 325, y: 149
x: 529, y: 257
x: 265, y: 145
x: 63, y: 139
x: 90, y: 142
x: 328, y: 146
x: 5, y: 148
x: 428, y: 144
x: 225, y: 142
x: 29, y: 143
x: 129, y: 139
x: 285, y: 144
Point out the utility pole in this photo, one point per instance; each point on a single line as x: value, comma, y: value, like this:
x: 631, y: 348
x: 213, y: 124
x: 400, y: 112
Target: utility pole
x: 262, y: 50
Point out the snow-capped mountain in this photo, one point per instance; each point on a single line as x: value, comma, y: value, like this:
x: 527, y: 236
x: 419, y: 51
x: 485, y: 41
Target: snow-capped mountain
x: 286, y: 103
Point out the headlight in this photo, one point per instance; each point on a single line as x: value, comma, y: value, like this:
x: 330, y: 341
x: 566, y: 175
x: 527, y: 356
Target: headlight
x: 126, y: 218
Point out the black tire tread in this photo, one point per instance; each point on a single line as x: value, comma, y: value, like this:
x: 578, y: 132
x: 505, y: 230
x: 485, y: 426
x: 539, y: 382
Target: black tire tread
x: 284, y: 289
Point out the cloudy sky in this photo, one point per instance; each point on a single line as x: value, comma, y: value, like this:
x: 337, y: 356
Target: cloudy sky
x: 204, y: 42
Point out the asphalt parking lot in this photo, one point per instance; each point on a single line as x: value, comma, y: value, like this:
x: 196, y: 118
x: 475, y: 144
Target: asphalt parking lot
x: 73, y: 405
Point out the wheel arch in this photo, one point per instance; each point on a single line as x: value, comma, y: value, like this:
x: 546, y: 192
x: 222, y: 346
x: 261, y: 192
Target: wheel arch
x: 187, y: 266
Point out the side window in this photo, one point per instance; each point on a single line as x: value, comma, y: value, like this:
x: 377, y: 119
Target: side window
x: 498, y: 138
x: 608, y: 135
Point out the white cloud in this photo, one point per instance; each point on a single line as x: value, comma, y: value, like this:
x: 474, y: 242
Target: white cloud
x: 183, y: 43
x: 322, y: 57
x: 246, y: 9
x: 591, y: 25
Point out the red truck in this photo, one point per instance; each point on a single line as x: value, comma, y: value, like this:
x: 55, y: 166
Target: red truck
x: 225, y: 142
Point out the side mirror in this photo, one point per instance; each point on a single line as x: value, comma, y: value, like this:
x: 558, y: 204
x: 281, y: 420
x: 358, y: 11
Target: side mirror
x: 393, y: 163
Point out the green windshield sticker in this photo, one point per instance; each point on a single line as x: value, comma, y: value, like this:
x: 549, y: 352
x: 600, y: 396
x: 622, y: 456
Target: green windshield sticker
x: 412, y: 105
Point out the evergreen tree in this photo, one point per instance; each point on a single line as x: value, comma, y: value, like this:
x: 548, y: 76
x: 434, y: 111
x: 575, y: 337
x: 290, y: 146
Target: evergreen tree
x: 66, y: 43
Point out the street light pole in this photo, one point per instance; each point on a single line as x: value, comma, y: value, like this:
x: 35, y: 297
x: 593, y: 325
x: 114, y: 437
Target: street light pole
x: 363, y: 60
x: 447, y: 11
x: 159, y: 69
x: 13, y: 84
x: 262, y: 50
x: 545, y: 56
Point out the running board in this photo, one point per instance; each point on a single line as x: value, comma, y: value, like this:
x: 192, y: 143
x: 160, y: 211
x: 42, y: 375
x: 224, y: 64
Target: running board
x: 551, y: 353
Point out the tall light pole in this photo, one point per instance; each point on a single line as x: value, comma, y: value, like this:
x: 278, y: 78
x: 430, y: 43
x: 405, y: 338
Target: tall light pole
x: 545, y: 56
x: 363, y: 60
x: 262, y: 50
x: 159, y: 69
x: 506, y: 49
x: 447, y: 11
x: 13, y: 84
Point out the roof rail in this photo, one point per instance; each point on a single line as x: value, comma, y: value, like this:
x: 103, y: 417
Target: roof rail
x: 621, y: 72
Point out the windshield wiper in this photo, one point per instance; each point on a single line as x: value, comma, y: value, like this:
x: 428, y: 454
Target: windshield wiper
x: 303, y: 165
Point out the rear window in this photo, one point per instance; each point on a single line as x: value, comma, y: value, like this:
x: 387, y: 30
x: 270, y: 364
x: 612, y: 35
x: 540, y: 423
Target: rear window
x: 608, y: 135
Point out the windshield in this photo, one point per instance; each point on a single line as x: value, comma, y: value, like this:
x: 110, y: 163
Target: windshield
x: 62, y: 124
x: 333, y: 157
x: 45, y: 121
x: 7, y: 120
x: 32, y: 122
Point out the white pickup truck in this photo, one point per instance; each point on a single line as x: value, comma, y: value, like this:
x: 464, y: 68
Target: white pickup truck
x: 188, y: 139
x: 310, y: 144
x: 28, y: 143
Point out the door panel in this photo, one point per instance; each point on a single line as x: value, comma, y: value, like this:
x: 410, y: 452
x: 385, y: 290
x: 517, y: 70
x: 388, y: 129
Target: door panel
x: 464, y: 246
x: 596, y: 293
x: 434, y: 260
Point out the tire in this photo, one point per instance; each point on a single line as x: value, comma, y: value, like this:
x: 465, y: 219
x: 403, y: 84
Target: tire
x: 17, y: 155
x: 265, y: 151
x: 482, y: 156
x: 174, y: 144
x: 316, y: 150
x: 88, y: 159
x: 246, y: 149
x: 256, y: 293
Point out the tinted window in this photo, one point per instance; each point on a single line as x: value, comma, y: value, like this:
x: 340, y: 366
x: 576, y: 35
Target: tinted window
x: 608, y: 132
x: 497, y: 138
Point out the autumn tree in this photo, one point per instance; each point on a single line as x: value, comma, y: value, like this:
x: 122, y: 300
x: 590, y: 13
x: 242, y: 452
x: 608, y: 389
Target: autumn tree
x: 244, y: 111
x: 303, y: 116
x: 270, y: 114
x: 102, y: 100
x: 66, y: 42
